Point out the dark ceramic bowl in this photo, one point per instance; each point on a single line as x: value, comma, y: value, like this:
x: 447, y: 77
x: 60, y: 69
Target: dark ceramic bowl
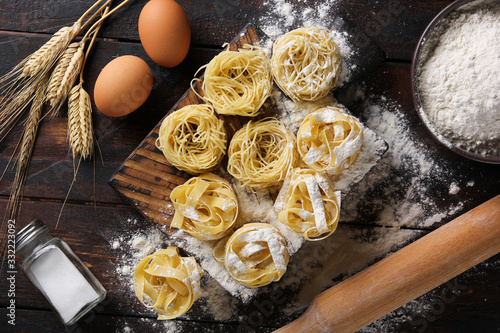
x: 417, y: 56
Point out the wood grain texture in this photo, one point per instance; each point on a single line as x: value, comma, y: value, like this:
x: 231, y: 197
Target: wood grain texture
x: 146, y: 178
x: 91, y: 231
x: 46, y: 322
x: 215, y: 22
x: 97, y: 215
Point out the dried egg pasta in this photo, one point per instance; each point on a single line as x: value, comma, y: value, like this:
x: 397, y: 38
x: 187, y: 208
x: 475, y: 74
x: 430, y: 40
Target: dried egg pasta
x: 308, y: 204
x: 255, y: 255
x: 193, y: 139
x: 237, y: 82
x: 329, y: 140
x: 261, y: 153
x: 305, y: 63
x: 205, y: 206
x: 167, y: 282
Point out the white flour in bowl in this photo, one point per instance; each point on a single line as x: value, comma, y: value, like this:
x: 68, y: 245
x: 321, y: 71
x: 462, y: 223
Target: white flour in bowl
x: 459, y: 77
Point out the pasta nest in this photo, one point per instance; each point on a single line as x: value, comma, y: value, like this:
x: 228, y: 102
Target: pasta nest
x: 261, y: 153
x: 167, y: 282
x: 255, y: 255
x: 329, y: 140
x: 238, y: 82
x: 193, y: 139
x: 308, y: 204
x: 205, y: 206
x: 306, y: 63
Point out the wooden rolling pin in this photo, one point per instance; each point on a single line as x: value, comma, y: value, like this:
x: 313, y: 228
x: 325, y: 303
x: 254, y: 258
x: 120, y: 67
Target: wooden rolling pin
x: 406, y: 274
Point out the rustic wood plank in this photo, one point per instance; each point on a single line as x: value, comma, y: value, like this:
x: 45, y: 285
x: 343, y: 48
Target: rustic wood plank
x: 395, y: 25
x: 47, y: 322
x: 91, y: 232
x: 139, y: 173
x: 474, y: 309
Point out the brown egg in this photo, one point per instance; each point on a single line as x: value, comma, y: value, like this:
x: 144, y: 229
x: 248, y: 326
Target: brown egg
x: 123, y: 85
x: 165, y: 32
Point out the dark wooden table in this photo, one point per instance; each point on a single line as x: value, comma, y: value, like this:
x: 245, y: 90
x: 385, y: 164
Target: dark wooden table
x: 97, y: 222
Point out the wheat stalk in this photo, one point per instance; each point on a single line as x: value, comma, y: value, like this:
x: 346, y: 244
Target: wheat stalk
x: 12, y: 109
x: 64, y: 75
x: 26, y: 147
x: 21, y: 90
x: 80, y: 132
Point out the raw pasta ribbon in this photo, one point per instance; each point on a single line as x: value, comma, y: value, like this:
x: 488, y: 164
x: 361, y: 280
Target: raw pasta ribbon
x: 238, y: 82
x: 205, y: 206
x: 193, y: 139
x: 255, y: 255
x: 305, y: 63
x: 308, y: 204
x: 329, y: 140
x: 261, y: 153
x: 167, y: 282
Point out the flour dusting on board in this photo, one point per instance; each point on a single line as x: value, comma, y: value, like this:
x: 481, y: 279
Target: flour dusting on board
x: 392, y: 202
x: 319, y: 265
x: 257, y: 206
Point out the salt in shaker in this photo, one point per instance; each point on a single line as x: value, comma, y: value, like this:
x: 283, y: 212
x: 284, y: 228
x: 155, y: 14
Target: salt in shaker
x: 51, y: 265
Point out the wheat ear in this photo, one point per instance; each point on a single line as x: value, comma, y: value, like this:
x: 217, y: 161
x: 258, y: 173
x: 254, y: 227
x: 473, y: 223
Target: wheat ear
x: 42, y: 60
x: 80, y: 130
x: 64, y: 75
x: 20, y: 90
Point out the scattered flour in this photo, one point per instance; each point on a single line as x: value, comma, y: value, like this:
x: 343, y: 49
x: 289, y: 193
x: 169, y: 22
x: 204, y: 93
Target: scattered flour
x: 405, y: 174
x: 137, y: 244
x: 454, y: 188
x: 170, y: 326
x: 384, y: 193
x: 394, y: 194
x: 115, y: 245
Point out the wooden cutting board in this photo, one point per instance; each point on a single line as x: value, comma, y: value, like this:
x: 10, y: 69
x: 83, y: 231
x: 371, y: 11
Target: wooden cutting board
x: 146, y: 179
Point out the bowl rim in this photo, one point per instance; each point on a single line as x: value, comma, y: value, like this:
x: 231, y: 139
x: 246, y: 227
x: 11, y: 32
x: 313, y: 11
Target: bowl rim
x: 436, y: 135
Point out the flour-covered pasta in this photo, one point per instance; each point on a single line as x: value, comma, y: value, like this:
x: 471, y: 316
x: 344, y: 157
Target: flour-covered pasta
x: 308, y: 204
x: 193, y: 139
x: 329, y: 140
x: 167, y: 282
x: 261, y: 153
x: 255, y: 255
x: 238, y: 82
x: 305, y: 63
x: 205, y: 206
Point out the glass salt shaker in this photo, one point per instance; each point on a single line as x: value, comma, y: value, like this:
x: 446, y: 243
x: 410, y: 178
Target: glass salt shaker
x: 51, y: 265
